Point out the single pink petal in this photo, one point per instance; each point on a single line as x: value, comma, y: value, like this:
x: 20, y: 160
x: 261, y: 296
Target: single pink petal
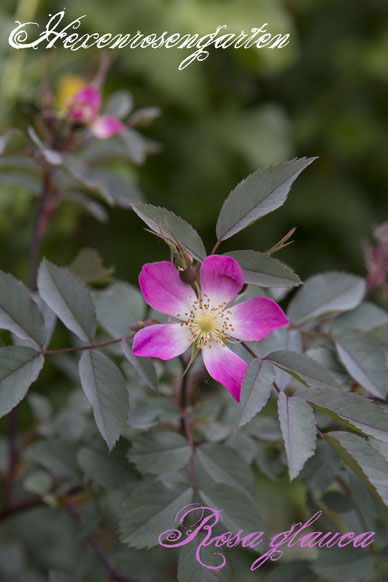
x: 163, y: 289
x: 105, y: 126
x: 255, y: 318
x: 225, y: 366
x: 221, y: 278
x: 163, y: 340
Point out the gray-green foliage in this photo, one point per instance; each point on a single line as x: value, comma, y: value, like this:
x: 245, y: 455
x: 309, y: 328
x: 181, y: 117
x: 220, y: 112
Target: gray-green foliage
x: 181, y: 442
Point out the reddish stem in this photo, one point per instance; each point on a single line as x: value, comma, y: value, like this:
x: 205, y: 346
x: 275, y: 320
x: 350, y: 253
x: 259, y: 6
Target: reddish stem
x: 90, y: 347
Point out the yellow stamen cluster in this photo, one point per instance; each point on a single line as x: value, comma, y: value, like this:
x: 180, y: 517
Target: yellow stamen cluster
x: 208, y: 324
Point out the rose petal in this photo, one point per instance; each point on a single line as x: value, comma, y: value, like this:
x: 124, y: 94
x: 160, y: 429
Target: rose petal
x: 105, y: 126
x: 225, y: 366
x: 255, y: 318
x: 163, y: 289
x: 85, y: 104
x: 221, y: 278
x: 164, y: 341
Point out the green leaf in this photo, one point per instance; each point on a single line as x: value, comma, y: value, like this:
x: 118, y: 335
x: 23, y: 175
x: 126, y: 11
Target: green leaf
x: 164, y: 222
x: 89, y: 267
x: 239, y: 511
x: 255, y: 389
x: 159, y: 452
x: 264, y: 271
x: 221, y: 464
x: 59, y: 576
x: 56, y: 456
x: 190, y: 570
x: 363, y: 459
x: 151, y: 510
x: 260, y: 193
x: 143, y: 366
x: 297, y: 423
x: 118, y: 307
x: 76, y: 168
x: 19, y: 312
x: 19, y: 368
x: 364, y: 359
x: 308, y: 371
x: 343, y: 564
x: 298, y: 571
x: 326, y: 293
x: 106, y: 470
x: 69, y: 299
x: 320, y: 470
x: 365, y: 317
x: 105, y: 388
x: 353, y: 410
x: 119, y: 104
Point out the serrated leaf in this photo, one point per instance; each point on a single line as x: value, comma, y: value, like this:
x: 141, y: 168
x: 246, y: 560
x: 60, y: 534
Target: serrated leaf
x: 308, y: 371
x: 326, y: 293
x: 56, y: 456
x: 257, y: 195
x: 256, y: 388
x: 239, y: 511
x: 89, y: 267
x: 151, y: 510
x: 159, y: 452
x: 221, y: 464
x: 105, y: 470
x: 167, y: 223
x: 320, y: 470
x: 69, y: 299
x: 364, y: 359
x: 118, y: 307
x: 143, y: 366
x: 365, y: 317
x: 264, y: 271
x: 363, y: 459
x: 19, y: 312
x: 343, y: 564
x: 105, y: 388
x: 190, y: 570
x: 297, y: 423
x: 298, y: 571
x: 351, y: 409
x: 19, y: 368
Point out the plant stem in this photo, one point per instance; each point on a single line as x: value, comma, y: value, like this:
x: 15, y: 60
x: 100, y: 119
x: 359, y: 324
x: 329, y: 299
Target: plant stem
x: 90, y: 347
x: 215, y: 247
x: 41, y: 219
x: 98, y: 549
x: 185, y: 419
x: 249, y: 350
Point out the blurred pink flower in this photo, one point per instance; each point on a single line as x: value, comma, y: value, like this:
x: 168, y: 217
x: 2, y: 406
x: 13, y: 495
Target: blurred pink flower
x: 376, y: 258
x: 206, y: 321
x: 84, y: 109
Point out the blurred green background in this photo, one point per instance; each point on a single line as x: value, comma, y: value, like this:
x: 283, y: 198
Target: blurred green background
x: 325, y: 94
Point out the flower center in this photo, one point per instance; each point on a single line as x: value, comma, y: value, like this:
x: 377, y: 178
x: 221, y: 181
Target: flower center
x: 208, y: 324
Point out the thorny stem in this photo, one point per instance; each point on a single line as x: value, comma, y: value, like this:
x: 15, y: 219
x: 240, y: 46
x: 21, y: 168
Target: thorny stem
x: 89, y: 347
x: 98, y: 549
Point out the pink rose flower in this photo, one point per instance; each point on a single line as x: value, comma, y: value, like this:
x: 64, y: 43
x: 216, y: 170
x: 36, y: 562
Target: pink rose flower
x: 85, y: 105
x: 206, y: 322
x: 84, y: 108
